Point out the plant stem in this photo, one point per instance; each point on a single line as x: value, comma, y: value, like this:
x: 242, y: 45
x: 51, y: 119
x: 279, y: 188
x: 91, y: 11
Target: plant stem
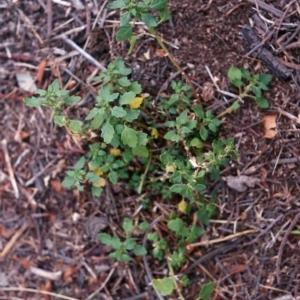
x: 174, y: 279
x: 174, y: 62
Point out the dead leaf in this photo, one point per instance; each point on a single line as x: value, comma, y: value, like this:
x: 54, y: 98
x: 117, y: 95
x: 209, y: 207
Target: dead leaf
x: 5, y: 233
x: 240, y: 183
x: 270, y: 126
x: 160, y: 53
x: 41, y: 71
x: 56, y: 185
x: 208, y: 91
x: 68, y: 273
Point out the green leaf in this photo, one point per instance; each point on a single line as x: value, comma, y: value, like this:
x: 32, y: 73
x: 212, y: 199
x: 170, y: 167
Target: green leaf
x: 130, y: 243
x: 144, y: 226
x: 129, y: 137
x: 71, y: 99
x: 118, y: 112
x: 257, y: 91
x: 172, y: 136
x: 182, y: 118
x: 142, y: 138
x: 97, y: 122
x: 97, y: 191
x: 158, y: 4
x: 113, y: 177
x: 176, y: 225
x: 139, y: 250
x: 93, y: 112
x: 60, y: 120
x: 234, y: 74
x: 132, y: 115
x: 128, y: 225
x: 107, y: 132
x: 105, y: 239
x: 120, y: 4
x: 195, y: 142
x: 207, y: 290
x: 164, y: 14
x: 149, y: 20
x: 80, y: 163
x: 164, y: 286
x: 127, y: 97
x: 125, y: 18
x: 178, y: 188
x: 246, y: 74
x: 124, y: 33
x: 34, y: 102
x: 132, y: 43
x: 204, y: 133
x: 68, y: 181
x: 262, y: 102
x: 140, y: 151
x: 265, y: 78
x: 124, y: 81
x: 199, y: 111
x: 75, y: 126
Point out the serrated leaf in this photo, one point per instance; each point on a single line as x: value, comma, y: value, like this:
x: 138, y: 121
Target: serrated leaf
x: 132, y: 43
x: 158, y: 4
x: 97, y: 191
x: 60, y: 120
x: 142, y: 138
x: 125, y: 18
x: 204, y: 133
x: 265, y: 78
x: 34, y: 101
x: 139, y: 250
x: 132, y: 115
x: 234, y: 74
x: 126, y: 98
x: 149, y: 20
x: 195, y: 142
x: 172, y: 136
x: 80, y: 163
x: 124, y: 82
x: 105, y: 239
x: 207, y: 290
x: 107, y: 132
x: 76, y: 126
x: 124, y: 33
x: 68, y: 181
x: 140, y: 151
x: 118, y: 112
x: 136, y: 102
x: 117, y: 5
x: 144, y: 226
x: 262, y: 102
x: 71, y: 100
x: 113, y: 177
x: 164, y: 286
x: 129, y: 243
x: 128, y: 225
x: 176, y: 225
x: 129, y: 137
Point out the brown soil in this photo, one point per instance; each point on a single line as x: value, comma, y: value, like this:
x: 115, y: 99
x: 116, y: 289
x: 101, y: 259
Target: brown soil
x: 45, y: 227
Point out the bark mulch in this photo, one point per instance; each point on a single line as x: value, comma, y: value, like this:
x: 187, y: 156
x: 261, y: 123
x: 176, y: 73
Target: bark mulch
x: 48, y: 235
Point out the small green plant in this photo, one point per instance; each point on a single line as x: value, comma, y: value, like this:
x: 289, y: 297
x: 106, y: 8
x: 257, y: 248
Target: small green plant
x: 152, y: 13
x: 122, y: 129
x: 121, y: 249
x: 176, y: 256
x: 250, y: 86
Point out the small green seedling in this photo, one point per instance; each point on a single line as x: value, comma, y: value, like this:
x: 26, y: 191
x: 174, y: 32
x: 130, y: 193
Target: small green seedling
x: 122, y: 249
x: 250, y: 86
